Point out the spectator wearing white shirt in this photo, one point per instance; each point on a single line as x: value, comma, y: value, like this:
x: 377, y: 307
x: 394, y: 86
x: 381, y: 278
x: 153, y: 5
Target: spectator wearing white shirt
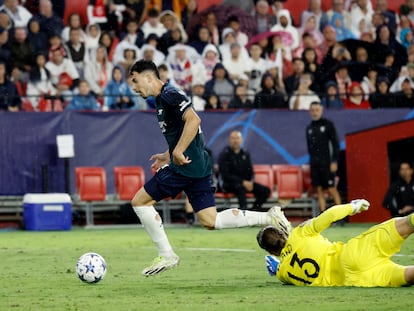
x: 303, y: 96
x: 153, y: 25
x: 18, y: 13
x: 236, y: 65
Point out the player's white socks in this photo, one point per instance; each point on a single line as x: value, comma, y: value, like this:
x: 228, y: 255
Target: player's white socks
x: 152, y: 223
x: 235, y: 218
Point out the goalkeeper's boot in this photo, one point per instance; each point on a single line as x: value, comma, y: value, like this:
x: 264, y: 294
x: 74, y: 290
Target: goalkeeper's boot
x: 161, y: 264
x: 279, y: 220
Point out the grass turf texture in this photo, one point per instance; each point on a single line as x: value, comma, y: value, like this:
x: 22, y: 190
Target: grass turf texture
x: 219, y: 270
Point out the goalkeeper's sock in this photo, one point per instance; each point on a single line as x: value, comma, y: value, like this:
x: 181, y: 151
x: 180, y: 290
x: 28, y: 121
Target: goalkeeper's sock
x: 235, y: 218
x: 152, y: 223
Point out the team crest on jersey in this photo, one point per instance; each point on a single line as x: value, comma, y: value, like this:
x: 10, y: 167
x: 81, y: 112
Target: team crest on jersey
x: 160, y: 111
x: 322, y: 128
x: 402, y: 188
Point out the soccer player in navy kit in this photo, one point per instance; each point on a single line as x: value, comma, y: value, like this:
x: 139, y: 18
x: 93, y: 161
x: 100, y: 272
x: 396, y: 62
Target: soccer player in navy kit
x: 185, y: 166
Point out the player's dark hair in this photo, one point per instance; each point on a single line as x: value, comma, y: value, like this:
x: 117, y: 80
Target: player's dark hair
x: 271, y: 239
x: 144, y: 65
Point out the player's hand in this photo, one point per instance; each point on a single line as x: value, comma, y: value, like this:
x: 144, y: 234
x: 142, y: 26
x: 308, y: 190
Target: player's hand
x: 248, y: 185
x: 180, y: 159
x: 359, y: 205
x: 159, y: 159
x: 272, y: 263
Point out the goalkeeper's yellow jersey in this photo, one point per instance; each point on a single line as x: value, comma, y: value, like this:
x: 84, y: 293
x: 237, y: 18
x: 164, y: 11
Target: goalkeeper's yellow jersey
x: 308, y: 258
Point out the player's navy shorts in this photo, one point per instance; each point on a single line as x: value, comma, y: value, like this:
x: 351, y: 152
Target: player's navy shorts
x: 167, y: 183
x: 322, y: 176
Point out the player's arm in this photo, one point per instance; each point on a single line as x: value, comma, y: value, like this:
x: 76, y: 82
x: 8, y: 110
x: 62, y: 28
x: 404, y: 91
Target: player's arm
x: 335, y: 213
x: 160, y: 159
x: 191, y: 127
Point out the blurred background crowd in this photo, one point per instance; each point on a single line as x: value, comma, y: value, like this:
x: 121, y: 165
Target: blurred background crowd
x: 347, y: 54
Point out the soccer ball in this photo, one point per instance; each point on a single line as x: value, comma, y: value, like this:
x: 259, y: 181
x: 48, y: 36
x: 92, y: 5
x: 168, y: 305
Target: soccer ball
x: 91, y: 268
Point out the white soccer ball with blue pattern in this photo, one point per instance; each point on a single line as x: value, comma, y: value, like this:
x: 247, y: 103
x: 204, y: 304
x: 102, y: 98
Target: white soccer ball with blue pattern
x: 91, y: 268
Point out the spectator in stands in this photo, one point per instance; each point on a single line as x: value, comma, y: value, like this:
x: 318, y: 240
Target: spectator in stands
x: 18, y: 13
x: 212, y: 102
x: 331, y: 99
x: 409, y: 9
x: 153, y: 24
x: 98, y: 71
x: 110, y: 43
x: 210, y: 57
x: 361, y: 10
x: 188, y: 12
x: 74, y: 21
x: 136, y: 10
x: 118, y: 94
x: 107, y: 15
x: 310, y: 61
x: 149, y: 52
x: 338, y: 7
x: 234, y: 23
x: 166, y: 76
x: 303, y: 96
x: 76, y: 50
x: 329, y: 38
x: 385, y: 41
x: 22, y: 55
x: 171, y: 21
x: 5, y: 21
x: 129, y: 58
x: 323, y: 148
x: 240, y: 99
x: 292, y: 82
x: 93, y: 33
x: 284, y: 23
x: 173, y: 36
x: 257, y: 65
x: 406, y: 37
x: 9, y: 98
x: 4, y: 45
x: 310, y: 26
x: 314, y: 9
x: 337, y: 56
x: 64, y: 76
x: 39, y: 84
x: 84, y: 100
x: 37, y: 39
x: 221, y: 85
x: 236, y: 65
x: 343, y: 80
x: 382, y: 97
x: 197, y: 95
x: 185, y: 65
x: 48, y: 20
x: 133, y: 34
x: 369, y: 82
x: 405, y: 97
x: 355, y: 98
x: 202, y: 40
x: 272, y: 68
x: 337, y: 21
x: 399, y: 199
x: 228, y: 38
x: 210, y: 21
x: 269, y: 96
x: 264, y: 20
x: 237, y: 175
x: 390, y: 17
x: 308, y: 42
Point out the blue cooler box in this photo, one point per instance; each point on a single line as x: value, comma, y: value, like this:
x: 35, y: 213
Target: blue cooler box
x: 47, y: 211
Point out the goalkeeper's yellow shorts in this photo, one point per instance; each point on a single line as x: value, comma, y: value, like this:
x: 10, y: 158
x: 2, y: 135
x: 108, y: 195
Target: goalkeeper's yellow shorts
x: 366, y: 258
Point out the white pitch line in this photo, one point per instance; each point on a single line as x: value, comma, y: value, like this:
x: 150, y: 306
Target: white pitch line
x: 404, y: 255
x: 236, y: 250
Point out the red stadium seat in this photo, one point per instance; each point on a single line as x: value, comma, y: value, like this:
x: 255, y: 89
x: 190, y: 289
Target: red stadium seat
x: 78, y: 6
x: 128, y: 180
x: 289, y: 181
x: 307, y: 182
x: 263, y: 175
x: 91, y: 186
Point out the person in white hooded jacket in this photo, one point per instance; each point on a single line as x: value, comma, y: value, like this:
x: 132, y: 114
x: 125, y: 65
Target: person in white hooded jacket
x: 285, y: 24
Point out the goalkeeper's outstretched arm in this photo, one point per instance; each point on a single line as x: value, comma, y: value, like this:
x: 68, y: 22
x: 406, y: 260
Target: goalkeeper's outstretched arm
x: 338, y: 212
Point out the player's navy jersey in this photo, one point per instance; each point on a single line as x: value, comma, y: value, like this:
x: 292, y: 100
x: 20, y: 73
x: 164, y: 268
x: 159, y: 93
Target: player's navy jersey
x: 171, y: 104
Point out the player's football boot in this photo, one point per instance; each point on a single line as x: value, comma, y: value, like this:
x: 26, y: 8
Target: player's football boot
x: 279, y: 219
x: 161, y: 264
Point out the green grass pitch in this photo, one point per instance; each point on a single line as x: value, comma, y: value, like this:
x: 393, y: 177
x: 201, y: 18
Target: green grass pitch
x: 219, y: 270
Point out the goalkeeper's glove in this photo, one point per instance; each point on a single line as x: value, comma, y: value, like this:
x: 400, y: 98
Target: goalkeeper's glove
x: 359, y: 206
x: 271, y: 264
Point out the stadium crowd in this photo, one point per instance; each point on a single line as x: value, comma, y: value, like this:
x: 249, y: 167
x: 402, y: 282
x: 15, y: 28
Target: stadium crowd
x: 357, y: 55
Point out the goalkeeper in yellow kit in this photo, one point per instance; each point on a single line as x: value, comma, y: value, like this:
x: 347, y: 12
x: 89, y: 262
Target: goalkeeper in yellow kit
x: 309, y: 259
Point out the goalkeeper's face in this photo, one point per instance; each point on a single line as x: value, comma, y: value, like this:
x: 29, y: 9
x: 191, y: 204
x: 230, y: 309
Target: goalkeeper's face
x: 271, y: 239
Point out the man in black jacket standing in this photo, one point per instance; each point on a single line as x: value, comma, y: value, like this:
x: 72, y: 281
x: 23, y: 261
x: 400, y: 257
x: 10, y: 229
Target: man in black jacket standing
x: 237, y: 175
x: 323, y: 148
x: 399, y: 199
